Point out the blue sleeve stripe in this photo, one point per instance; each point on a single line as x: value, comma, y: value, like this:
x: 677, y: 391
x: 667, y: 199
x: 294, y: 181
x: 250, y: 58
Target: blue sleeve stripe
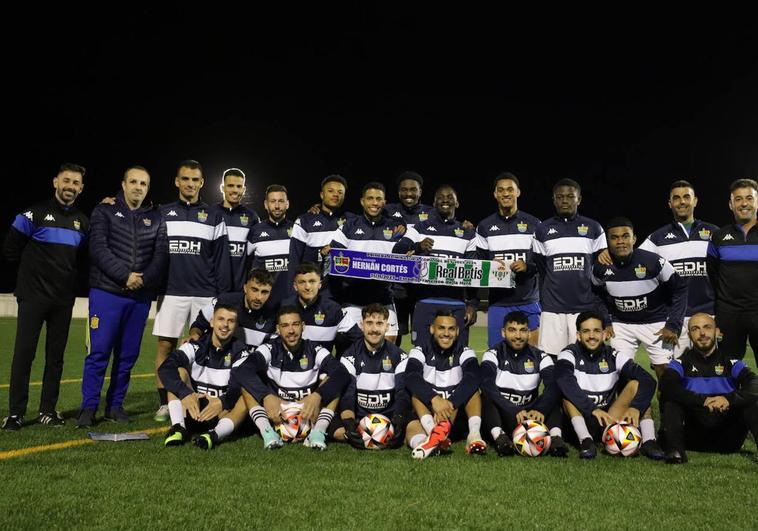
x: 737, y: 368
x: 677, y: 367
x: 23, y: 225
x: 712, y: 385
x: 712, y: 250
x: 58, y: 235
x: 739, y: 253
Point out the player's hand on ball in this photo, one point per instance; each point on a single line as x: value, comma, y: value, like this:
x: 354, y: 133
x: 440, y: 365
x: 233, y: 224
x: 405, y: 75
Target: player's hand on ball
x: 212, y: 410
x: 311, y: 407
x: 191, y: 405
x: 521, y: 416
x: 632, y: 416
x: 535, y: 415
x: 273, y: 406
x: 603, y: 417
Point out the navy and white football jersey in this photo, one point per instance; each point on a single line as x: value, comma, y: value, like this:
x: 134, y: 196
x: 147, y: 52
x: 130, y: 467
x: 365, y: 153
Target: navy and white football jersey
x: 408, y: 216
x: 321, y: 319
x: 686, y: 252
x: 512, y: 378
x: 510, y: 239
x: 452, y: 374
x: 268, y: 247
x: 643, y: 289
x: 310, y: 233
x: 238, y: 222
x: 563, y: 251
x: 254, y: 327
x: 377, y: 379
x: 590, y: 380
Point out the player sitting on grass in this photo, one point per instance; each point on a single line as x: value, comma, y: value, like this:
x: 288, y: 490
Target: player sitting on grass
x: 197, y: 379
x: 291, y: 369
x: 377, y: 384
x: 591, y: 376
x: 511, y: 375
x: 443, y: 376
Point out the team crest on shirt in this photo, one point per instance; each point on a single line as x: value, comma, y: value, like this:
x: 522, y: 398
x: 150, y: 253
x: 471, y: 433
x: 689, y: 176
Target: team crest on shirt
x: 522, y: 226
x: 94, y: 322
x: 228, y: 360
x: 319, y: 317
x: 387, y: 364
x: 387, y: 233
x: 458, y: 232
x: 582, y: 230
x: 77, y: 224
x: 719, y: 369
x: 304, y: 362
x: 340, y: 222
x: 640, y: 271
x: 202, y: 216
x: 423, y: 216
x: 450, y: 360
x: 147, y: 221
x: 603, y: 366
x: 289, y: 232
x: 341, y: 263
x: 244, y: 220
x: 529, y: 366
x: 705, y: 234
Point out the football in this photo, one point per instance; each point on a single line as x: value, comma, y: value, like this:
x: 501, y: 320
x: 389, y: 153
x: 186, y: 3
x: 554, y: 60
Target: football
x: 376, y: 431
x: 531, y: 438
x: 292, y: 428
x: 622, y: 439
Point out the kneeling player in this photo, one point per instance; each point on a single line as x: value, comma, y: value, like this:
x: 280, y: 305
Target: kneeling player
x: 443, y: 376
x: 377, y: 385
x: 709, y: 401
x: 291, y: 369
x: 590, y: 373
x: 511, y: 374
x: 196, y: 377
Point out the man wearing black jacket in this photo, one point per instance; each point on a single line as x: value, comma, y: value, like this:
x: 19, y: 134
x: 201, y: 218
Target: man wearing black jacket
x: 46, y: 240
x: 709, y: 398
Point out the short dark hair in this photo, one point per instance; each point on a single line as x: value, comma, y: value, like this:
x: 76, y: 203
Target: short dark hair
x: 307, y: 267
x: 584, y: 316
x: 373, y: 185
x: 271, y: 188
x: 445, y: 312
x: 443, y: 186
x: 224, y: 306
x: 503, y: 176
x: 681, y: 183
x: 334, y: 178
x: 570, y: 183
x: 134, y: 167
x: 743, y: 183
x: 260, y: 275
x: 373, y: 308
x: 285, y: 309
x: 619, y: 221
x: 191, y: 164
x: 70, y: 166
x: 233, y: 172
x: 517, y: 317
x: 410, y: 175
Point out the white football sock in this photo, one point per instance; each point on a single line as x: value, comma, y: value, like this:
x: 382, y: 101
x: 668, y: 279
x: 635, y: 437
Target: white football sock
x: 416, y: 440
x: 324, y: 419
x: 427, y: 422
x: 474, y: 424
x: 176, y: 412
x: 580, y: 427
x: 260, y: 418
x: 495, y: 432
x: 647, y: 428
x: 224, y: 428
x: 556, y: 432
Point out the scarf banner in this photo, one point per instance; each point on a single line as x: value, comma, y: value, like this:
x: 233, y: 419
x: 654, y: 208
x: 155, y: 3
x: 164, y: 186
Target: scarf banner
x: 413, y: 269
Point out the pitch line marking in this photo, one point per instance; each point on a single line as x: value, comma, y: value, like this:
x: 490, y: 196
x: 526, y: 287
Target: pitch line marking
x: 21, y: 452
x: 79, y: 380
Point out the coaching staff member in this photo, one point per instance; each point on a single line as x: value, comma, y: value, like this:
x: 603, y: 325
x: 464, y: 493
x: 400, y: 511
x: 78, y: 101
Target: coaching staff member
x: 45, y: 239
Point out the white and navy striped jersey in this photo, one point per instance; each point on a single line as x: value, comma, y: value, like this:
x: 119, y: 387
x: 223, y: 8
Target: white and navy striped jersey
x: 321, y: 319
x: 362, y: 234
x: 452, y: 374
x: 408, y: 216
x: 198, y: 250
x: 643, y: 289
x: 209, y: 369
x: 590, y: 380
x: 563, y: 251
x: 377, y: 379
x: 510, y: 239
x: 512, y: 378
x: 686, y: 252
x: 254, y: 327
x: 268, y: 246
x: 238, y: 221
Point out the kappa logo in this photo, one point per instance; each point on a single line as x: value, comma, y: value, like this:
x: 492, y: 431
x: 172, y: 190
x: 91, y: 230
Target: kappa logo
x: 29, y: 215
x: 494, y: 228
x: 172, y: 213
x: 119, y: 215
x: 49, y: 217
x: 670, y: 236
x: 317, y: 223
x: 581, y: 362
x: 552, y: 231
x: 263, y: 234
x: 431, y: 229
x: 359, y: 231
x: 609, y: 273
x: 694, y: 369
x: 363, y: 364
x: 725, y: 238
x: 397, y: 215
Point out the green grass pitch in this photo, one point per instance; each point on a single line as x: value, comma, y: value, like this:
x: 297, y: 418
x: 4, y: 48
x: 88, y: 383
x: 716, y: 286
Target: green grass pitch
x: 141, y: 485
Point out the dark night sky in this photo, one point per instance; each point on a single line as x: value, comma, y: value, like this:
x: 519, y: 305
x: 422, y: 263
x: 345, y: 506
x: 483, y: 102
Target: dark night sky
x: 624, y: 105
